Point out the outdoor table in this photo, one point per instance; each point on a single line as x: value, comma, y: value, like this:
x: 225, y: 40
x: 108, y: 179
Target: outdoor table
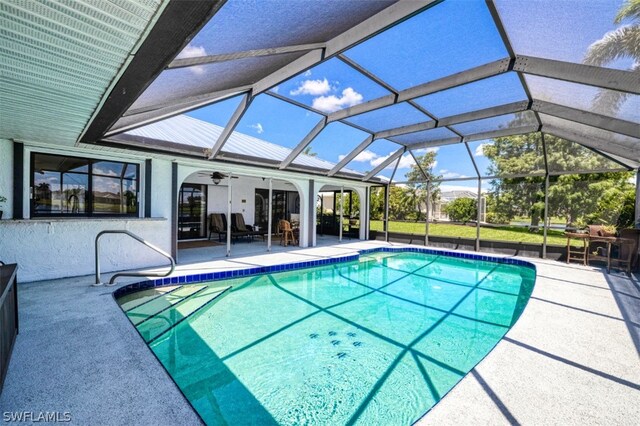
x: 584, y: 255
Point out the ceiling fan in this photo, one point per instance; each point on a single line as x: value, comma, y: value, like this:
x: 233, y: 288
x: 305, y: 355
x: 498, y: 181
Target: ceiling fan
x: 216, y: 177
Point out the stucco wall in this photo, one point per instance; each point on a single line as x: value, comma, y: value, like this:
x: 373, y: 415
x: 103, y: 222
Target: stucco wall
x: 46, y: 249
x: 63, y: 247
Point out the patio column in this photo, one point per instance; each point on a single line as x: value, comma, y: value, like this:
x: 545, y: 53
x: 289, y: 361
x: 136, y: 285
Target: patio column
x: 270, y: 214
x: 229, y: 216
x: 311, y: 217
x: 341, y: 213
x: 174, y: 210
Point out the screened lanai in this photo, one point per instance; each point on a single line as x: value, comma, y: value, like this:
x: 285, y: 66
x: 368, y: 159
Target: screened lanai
x: 390, y: 93
x: 367, y: 86
x: 407, y: 94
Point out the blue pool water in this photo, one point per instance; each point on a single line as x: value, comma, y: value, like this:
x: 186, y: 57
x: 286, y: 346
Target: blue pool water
x: 375, y: 341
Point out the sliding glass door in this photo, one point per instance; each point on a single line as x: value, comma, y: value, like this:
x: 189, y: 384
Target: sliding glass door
x: 192, y: 208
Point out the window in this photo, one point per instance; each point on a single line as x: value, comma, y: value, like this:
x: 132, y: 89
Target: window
x: 72, y: 186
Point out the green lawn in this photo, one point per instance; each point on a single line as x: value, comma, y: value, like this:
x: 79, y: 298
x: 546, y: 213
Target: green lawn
x: 503, y: 233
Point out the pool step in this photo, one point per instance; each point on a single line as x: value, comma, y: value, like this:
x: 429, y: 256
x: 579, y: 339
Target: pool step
x: 157, y: 325
x: 153, y: 307
x: 133, y: 300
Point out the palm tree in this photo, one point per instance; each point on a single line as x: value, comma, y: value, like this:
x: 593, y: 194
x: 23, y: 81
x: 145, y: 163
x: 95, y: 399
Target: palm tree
x: 623, y: 42
x: 309, y: 151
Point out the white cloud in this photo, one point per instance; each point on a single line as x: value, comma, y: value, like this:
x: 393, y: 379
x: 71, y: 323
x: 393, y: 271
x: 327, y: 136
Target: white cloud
x: 425, y: 150
x: 307, y: 73
x: 446, y: 174
x: 275, y: 89
x: 364, y: 157
x: 258, y: 128
x: 312, y: 87
x: 192, y: 52
x: 480, y: 150
x: 333, y: 103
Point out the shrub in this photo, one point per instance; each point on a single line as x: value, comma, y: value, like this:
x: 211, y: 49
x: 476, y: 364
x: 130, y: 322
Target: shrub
x: 462, y: 210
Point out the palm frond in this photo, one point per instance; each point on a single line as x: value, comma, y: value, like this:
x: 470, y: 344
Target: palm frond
x: 629, y: 10
x: 623, y: 42
x: 610, y: 101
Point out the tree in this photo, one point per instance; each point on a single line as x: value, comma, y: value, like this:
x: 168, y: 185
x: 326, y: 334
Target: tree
x: 407, y: 202
x: 309, y: 151
x: 623, y: 42
x: 578, y: 199
x: 516, y: 197
x: 462, y: 209
x: 417, y: 187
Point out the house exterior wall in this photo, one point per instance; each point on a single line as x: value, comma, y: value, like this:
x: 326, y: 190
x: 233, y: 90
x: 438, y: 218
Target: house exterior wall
x: 49, y: 248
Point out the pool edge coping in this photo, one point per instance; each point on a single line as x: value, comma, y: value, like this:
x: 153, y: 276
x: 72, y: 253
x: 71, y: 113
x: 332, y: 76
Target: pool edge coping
x: 245, y: 272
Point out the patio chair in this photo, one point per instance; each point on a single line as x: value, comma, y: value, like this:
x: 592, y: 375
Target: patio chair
x: 287, y: 233
x: 238, y: 225
x: 218, y: 224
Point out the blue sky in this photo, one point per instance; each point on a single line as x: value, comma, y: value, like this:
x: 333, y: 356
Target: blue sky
x: 447, y: 38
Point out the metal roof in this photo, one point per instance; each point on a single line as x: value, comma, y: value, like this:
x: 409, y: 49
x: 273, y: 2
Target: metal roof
x: 190, y: 131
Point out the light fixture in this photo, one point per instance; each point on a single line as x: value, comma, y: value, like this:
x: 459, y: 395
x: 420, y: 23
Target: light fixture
x: 215, y: 181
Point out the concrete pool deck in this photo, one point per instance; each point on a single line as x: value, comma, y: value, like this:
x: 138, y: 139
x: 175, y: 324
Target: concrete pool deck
x: 572, y: 358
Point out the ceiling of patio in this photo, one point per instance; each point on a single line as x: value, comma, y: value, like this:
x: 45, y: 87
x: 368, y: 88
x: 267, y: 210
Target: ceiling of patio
x: 366, y: 85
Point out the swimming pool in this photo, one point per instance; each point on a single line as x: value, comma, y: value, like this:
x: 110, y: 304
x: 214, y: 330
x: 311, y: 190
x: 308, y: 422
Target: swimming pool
x: 376, y: 340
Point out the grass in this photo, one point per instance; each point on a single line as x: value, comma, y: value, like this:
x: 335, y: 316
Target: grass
x: 502, y: 233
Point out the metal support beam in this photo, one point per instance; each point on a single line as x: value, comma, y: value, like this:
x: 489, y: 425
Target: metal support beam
x: 270, y: 214
x: 387, y: 190
x: 341, y: 213
x: 439, y: 142
x: 384, y: 164
x: 229, y: 194
x: 478, y: 214
x: 368, y: 28
x: 210, y: 59
x: 405, y: 129
x: 422, y: 172
x: 483, y: 113
x: 546, y: 217
x: 500, y: 133
x: 353, y: 154
x: 304, y: 143
x: 607, y: 78
x: 546, y: 197
x: 427, y: 214
x: 588, y: 118
x: 231, y: 125
x: 454, y: 80
x: 624, y: 151
x: 178, y: 22
x: 478, y: 196
x: 395, y: 169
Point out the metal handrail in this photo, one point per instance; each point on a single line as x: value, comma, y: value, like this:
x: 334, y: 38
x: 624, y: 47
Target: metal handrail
x: 130, y: 274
